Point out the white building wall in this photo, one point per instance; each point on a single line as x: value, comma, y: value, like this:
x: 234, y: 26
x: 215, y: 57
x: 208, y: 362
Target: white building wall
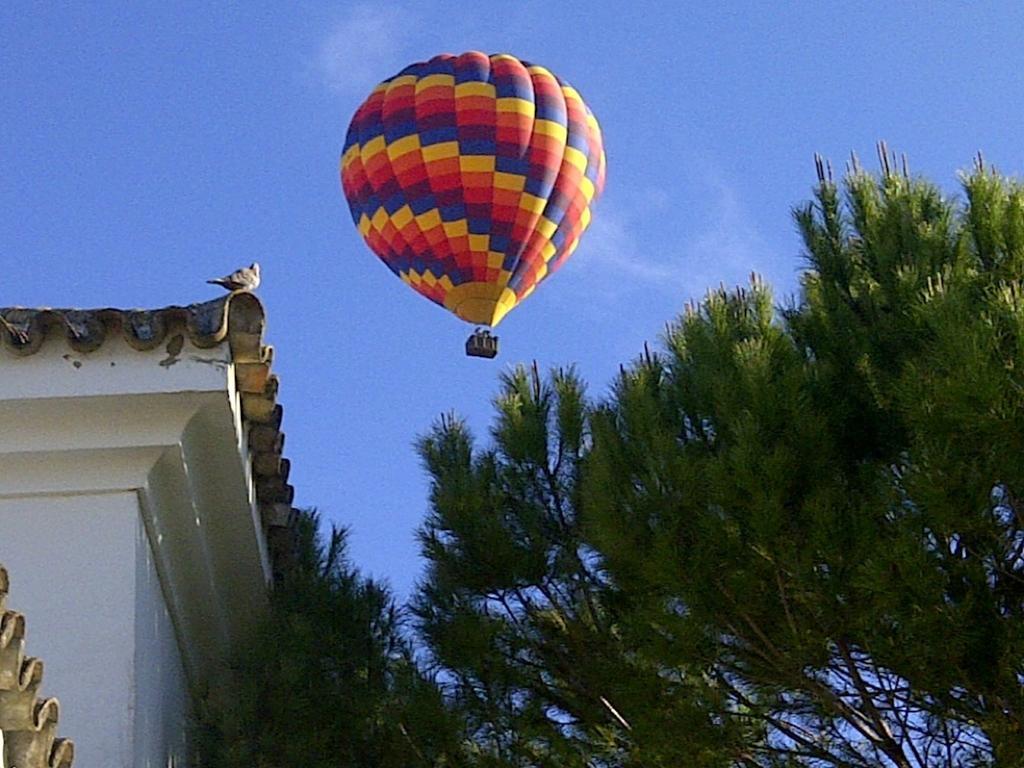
x: 128, y: 522
x: 67, y: 559
x: 161, y: 691
x: 82, y: 572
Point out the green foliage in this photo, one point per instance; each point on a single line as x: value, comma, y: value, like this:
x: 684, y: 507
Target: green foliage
x: 328, y: 679
x: 517, y: 612
x: 789, y: 539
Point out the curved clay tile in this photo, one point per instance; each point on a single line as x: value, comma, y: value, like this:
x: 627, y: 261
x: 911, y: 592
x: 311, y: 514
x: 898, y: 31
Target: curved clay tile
x: 233, y: 316
x: 236, y: 318
x: 28, y: 724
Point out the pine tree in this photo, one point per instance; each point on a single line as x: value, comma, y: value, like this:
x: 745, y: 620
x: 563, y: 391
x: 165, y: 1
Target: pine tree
x: 329, y: 678
x: 517, y: 610
x: 790, y: 538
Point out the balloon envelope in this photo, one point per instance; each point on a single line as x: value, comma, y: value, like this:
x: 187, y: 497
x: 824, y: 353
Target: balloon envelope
x: 471, y: 177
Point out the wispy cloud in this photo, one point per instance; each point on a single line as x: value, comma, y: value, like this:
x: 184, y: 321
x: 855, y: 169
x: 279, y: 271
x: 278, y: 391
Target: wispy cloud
x: 728, y: 248
x: 613, y: 247
x: 627, y: 246
x: 366, y: 45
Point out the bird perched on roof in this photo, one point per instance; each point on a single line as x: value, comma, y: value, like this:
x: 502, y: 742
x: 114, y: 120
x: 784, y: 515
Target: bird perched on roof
x: 245, y: 279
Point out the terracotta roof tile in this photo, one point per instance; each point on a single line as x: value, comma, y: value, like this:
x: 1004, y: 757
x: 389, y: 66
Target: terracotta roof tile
x: 237, y: 319
x: 28, y: 723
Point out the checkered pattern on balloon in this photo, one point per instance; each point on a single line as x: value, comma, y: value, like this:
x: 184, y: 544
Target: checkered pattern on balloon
x: 472, y: 177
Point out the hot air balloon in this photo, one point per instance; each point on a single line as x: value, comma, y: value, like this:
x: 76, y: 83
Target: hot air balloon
x: 471, y: 177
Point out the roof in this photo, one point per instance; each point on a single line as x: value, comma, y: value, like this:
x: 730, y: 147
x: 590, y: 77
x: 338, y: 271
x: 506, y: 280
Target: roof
x: 28, y: 723
x: 237, y: 319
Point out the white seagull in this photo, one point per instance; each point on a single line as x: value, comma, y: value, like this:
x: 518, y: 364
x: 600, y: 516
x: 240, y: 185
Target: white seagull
x: 245, y: 279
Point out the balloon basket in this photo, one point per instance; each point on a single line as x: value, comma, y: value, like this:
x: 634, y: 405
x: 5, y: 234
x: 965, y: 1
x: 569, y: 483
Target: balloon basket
x: 482, y: 344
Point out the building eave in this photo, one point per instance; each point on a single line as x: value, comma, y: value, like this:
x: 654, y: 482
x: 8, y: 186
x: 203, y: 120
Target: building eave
x: 235, y: 323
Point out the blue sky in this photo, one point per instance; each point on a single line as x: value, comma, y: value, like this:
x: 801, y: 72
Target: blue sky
x: 147, y: 146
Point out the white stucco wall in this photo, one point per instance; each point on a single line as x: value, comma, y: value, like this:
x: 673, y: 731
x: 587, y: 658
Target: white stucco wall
x: 161, y: 692
x: 128, y: 523
x: 86, y: 558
